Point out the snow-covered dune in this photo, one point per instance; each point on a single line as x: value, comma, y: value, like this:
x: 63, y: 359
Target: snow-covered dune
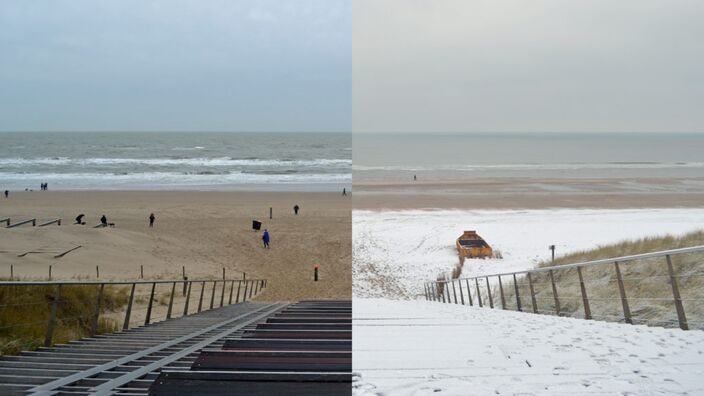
x: 423, y: 348
x: 395, y: 251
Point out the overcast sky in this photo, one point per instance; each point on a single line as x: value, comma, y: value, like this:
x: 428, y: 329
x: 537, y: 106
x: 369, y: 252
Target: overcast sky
x: 186, y: 65
x: 518, y: 65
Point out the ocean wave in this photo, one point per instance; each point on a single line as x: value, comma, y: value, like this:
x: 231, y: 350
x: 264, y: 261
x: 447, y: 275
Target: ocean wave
x: 169, y: 178
x: 211, y: 162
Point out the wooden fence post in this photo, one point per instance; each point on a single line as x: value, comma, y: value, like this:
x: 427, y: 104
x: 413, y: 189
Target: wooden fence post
x: 200, y: 301
x: 188, y: 298
x: 212, y: 296
x: 171, y: 301
x: 479, y: 293
x: 501, y: 291
x: 469, y: 292
x: 52, y: 317
x: 585, y: 299
x: 554, y: 293
x: 128, y: 313
x: 454, y: 292
x: 149, y: 306
x: 622, y: 291
x: 488, y: 292
x: 518, y: 296
x: 459, y: 283
x: 96, y: 314
x: 532, y: 293
x: 681, y: 318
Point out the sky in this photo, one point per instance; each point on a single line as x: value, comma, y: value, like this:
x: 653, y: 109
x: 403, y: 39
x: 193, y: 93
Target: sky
x: 175, y: 65
x: 518, y: 65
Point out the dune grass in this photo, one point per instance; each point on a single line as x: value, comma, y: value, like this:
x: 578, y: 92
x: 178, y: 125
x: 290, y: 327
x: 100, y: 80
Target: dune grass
x: 647, y: 284
x: 24, y: 313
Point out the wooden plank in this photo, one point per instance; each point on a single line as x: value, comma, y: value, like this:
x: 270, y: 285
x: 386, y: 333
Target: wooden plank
x: 54, y: 221
x: 33, y: 221
x: 68, y: 251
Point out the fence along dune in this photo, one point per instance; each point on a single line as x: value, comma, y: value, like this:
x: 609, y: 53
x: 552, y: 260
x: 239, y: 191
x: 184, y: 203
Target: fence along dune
x: 647, y: 285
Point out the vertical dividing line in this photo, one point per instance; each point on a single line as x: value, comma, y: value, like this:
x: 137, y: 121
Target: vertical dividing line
x: 52, y: 317
x: 532, y: 293
x: 200, y: 301
x: 232, y: 288
x: 447, y: 290
x: 622, y: 291
x: 479, y: 293
x: 244, y: 295
x: 518, y: 296
x: 501, y: 291
x: 149, y: 307
x: 459, y: 283
x: 585, y: 299
x: 126, y: 325
x: 188, y: 298
x: 251, y: 288
x: 488, y: 292
x: 469, y: 292
x: 96, y: 314
x: 442, y: 292
x: 681, y: 317
x: 171, y: 301
x: 554, y: 293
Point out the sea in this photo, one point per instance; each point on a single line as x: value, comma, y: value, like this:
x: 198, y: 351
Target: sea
x: 176, y: 161
x: 388, y: 157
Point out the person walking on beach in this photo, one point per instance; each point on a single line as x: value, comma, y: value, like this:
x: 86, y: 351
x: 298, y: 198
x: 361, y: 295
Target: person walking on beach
x: 344, y: 192
x: 415, y: 178
x: 7, y: 193
x: 295, y: 210
x: 265, y: 238
x: 151, y: 220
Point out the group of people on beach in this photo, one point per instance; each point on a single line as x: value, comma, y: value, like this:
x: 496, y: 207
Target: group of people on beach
x: 104, y: 220
x: 44, y: 186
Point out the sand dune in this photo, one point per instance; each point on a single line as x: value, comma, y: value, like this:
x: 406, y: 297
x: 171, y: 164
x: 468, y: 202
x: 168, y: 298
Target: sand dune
x: 201, y: 231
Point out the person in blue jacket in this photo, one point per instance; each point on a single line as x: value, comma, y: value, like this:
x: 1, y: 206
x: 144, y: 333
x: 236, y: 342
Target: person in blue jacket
x: 265, y: 238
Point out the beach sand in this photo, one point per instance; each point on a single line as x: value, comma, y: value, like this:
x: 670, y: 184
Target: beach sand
x: 201, y: 231
x: 533, y: 193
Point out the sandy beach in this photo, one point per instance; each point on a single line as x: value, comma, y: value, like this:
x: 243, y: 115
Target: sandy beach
x: 201, y: 231
x: 530, y: 193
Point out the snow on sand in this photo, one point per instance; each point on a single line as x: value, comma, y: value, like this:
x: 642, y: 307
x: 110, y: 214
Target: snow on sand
x: 423, y: 348
x: 395, y: 251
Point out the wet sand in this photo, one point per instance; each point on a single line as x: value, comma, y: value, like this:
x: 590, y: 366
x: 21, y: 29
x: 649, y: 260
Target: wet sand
x: 534, y: 193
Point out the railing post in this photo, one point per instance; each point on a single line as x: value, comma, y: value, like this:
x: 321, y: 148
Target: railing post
x: 585, y: 299
x: 443, y: 291
x: 212, y: 296
x: 622, y: 291
x: 518, y: 296
x: 532, y: 293
x: 96, y: 314
x: 239, y: 286
x: 188, y: 298
x: 244, y: 295
x: 171, y: 301
x: 447, y: 290
x: 501, y: 291
x: 469, y: 292
x: 52, y: 317
x: 222, y: 295
x: 232, y: 288
x: 681, y: 318
x: 126, y: 325
x: 488, y: 292
x: 554, y: 293
x: 200, y: 301
x: 251, y: 288
x: 149, y: 307
x: 454, y: 292
x: 459, y: 283
x: 479, y: 294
